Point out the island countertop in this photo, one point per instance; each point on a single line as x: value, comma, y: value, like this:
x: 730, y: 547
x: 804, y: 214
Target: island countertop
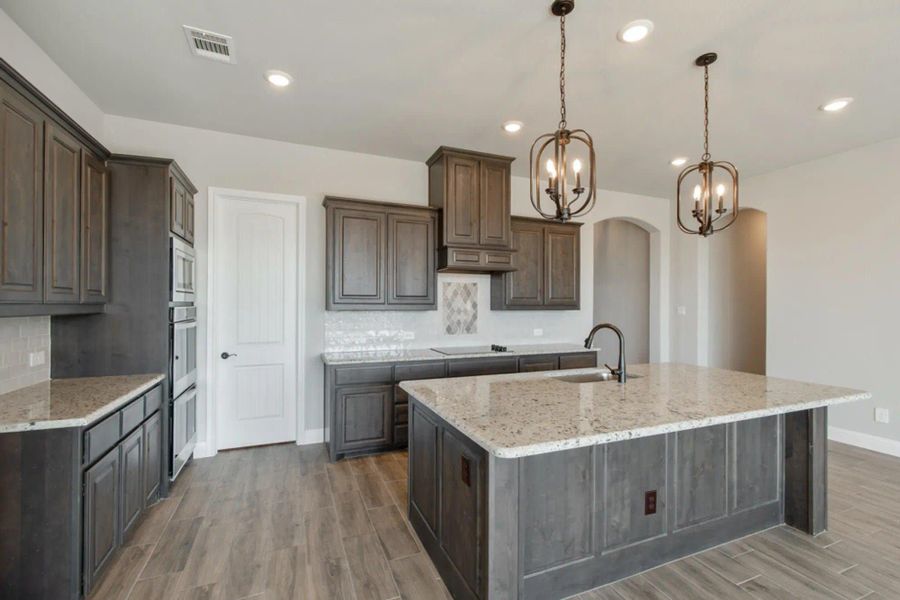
x: 534, y: 413
x: 74, y: 402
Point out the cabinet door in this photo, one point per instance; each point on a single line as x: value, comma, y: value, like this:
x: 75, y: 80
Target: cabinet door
x: 528, y: 364
x: 177, y: 195
x: 189, y: 217
x: 21, y: 199
x: 101, y: 515
x: 561, y: 266
x: 411, y: 258
x: 132, y: 459
x: 152, y: 457
x: 365, y: 417
x: 495, y: 204
x: 62, y: 216
x: 358, y: 257
x: 94, y: 230
x: 461, y: 206
x: 525, y: 285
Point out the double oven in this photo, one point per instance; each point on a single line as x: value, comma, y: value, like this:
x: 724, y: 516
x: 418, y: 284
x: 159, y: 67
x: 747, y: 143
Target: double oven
x: 182, y: 356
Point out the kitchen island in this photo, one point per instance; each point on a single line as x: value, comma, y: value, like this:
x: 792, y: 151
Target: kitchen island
x: 544, y: 485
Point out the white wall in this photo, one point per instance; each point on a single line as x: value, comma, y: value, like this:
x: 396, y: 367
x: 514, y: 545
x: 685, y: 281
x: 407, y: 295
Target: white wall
x: 214, y: 159
x: 833, y: 282
x: 27, y: 58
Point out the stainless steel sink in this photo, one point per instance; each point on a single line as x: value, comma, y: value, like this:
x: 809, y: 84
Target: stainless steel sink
x: 591, y: 377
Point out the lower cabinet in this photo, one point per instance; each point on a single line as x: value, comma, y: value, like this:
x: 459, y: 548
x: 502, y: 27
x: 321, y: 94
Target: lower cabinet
x: 132, y: 459
x: 102, y: 491
x: 365, y: 417
x: 152, y: 458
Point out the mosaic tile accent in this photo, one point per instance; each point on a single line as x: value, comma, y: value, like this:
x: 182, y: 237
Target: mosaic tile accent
x: 460, y: 302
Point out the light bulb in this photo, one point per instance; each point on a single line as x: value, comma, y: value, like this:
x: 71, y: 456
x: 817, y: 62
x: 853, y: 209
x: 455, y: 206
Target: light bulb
x: 576, y: 166
x: 551, y: 168
x: 697, y: 192
x: 720, y: 190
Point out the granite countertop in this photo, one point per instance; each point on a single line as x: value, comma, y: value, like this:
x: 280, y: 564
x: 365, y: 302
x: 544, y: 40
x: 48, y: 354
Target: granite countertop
x: 402, y: 355
x: 534, y: 413
x: 75, y: 402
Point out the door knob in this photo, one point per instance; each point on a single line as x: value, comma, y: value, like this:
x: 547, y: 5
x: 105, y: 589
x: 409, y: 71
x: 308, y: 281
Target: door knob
x: 225, y: 355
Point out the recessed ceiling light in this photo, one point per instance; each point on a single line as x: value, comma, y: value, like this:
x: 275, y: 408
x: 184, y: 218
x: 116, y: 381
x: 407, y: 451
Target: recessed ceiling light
x: 279, y: 78
x: 677, y: 162
x: 836, y: 105
x: 512, y: 126
x: 635, y: 31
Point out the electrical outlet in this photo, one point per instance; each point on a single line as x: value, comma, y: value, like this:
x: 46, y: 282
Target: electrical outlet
x: 650, y: 502
x: 682, y: 311
x: 407, y: 336
x: 36, y: 358
x: 538, y: 332
x: 882, y: 415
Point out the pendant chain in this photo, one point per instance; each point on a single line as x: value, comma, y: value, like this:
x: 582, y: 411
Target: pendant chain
x: 562, y: 72
x: 706, y: 113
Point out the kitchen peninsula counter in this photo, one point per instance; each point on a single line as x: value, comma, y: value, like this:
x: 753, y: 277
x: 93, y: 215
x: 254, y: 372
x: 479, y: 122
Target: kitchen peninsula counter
x: 540, y: 486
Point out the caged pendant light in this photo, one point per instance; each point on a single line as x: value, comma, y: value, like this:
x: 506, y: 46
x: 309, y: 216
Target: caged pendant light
x: 568, y: 202
x: 717, y: 179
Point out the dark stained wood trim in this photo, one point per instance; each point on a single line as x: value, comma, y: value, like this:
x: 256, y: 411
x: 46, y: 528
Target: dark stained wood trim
x: 40, y: 310
x: 441, y: 151
x: 143, y: 161
x: 18, y: 82
x: 356, y: 202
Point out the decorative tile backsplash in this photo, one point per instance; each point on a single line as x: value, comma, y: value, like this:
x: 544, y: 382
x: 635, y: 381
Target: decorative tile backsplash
x: 19, y: 337
x: 460, y: 307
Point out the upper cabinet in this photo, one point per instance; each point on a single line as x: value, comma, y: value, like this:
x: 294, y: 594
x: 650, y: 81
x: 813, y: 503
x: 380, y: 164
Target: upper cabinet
x: 54, y: 204
x: 21, y: 199
x: 181, y: 205
x: 547, y: 260
x: 379, y: 256
x: 472, y: 190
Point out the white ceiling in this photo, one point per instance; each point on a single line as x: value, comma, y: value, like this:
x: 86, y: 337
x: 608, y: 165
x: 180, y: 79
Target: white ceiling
x: 400, y: 77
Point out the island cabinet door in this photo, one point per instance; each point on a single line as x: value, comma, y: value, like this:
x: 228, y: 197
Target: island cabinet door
x: 423, y: 481
x: 365, y: 417
x: 102, y: 487
x: 700, y: 475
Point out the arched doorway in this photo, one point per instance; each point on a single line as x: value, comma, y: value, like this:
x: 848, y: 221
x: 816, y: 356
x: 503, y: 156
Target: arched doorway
x: 622, y: 287
x: 737, y: 294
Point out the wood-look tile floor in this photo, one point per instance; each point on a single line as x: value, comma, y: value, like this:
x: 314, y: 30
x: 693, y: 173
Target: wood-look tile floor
x: 280, y: 522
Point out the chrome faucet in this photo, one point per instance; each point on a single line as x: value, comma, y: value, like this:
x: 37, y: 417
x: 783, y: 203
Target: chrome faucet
x: 589, y: 341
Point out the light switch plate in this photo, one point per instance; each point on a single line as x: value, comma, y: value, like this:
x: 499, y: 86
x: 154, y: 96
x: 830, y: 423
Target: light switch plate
x: 36, y: 358
x: 538, y: 332
x: 882, y: 415
x: 682, y: 310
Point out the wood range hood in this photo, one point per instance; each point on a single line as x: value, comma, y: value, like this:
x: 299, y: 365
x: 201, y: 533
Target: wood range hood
x: 472, y: 191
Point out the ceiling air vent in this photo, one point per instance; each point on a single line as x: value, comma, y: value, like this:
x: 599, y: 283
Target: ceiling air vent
x: 207, y: 44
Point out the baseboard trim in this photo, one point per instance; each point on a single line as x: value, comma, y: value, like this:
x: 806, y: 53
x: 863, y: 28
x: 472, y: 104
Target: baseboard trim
x: 203, y: 450
x: 865, y: 440
x: 311, y: 436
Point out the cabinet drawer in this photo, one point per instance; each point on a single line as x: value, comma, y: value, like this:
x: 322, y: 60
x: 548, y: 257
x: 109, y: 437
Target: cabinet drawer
x: 482, y: 366
x: 152, y: 401
x: 355, y: 375
x: 578, y: 361
x: 538, y: 363
x: 102, y: 436
x: 132, y: 415
x: 401, y: 435
x: 430, y: 370
x: 401, y: 414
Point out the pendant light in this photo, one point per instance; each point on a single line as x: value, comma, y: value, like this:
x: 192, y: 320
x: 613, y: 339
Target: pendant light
x: 715, y: 189
x: 554, y: 150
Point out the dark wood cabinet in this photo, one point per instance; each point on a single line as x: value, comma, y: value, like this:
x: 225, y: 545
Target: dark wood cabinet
x: 547, y: 262
x: 131, y: 452
x: 102, y: 489
x: 21, y: 199
x: 62, y: 216
x: 94, y: 230
x: 366, y: 417
x: 529, y: 364
x: 380, y: 256
x: 472, y: 190
x: 181, y: 207
x: 152, y: 432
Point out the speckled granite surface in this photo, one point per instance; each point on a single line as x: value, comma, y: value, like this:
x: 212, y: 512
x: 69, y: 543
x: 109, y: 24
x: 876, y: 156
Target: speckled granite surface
x: 401, y: 355
x: 70, y: 402
x: 533, y: 413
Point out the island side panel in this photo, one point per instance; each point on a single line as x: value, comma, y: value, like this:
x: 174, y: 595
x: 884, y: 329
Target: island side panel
x: 806, y: 470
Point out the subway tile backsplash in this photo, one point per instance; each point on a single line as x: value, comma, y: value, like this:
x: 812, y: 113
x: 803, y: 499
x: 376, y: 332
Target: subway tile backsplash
x: 19, y: 337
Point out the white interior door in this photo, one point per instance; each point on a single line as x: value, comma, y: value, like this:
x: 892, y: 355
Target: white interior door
x: 255, y: 317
